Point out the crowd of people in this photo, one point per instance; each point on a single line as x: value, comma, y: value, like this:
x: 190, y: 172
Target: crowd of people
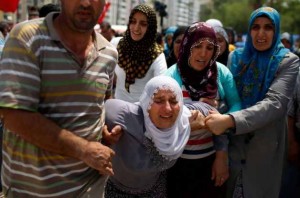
x: 190, y: 113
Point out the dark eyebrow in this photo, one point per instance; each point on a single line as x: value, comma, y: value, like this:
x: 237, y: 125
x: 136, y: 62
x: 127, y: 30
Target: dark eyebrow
x: 271, y: 24
x: 157, y: 97
x: 144, y: 21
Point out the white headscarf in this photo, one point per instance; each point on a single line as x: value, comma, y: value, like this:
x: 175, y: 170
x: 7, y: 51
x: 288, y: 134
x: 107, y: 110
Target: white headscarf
x: 169, y: 142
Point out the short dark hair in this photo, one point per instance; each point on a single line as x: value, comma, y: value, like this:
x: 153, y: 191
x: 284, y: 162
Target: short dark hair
x: 3, y: 25
x: 32, y: 11
x: 105, y: 24
x: 47, y: 8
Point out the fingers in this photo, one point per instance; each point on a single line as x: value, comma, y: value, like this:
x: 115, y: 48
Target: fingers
x: 105, y: 166
x: 111, y: 137
x: 116, y: 130
x: 212, y: 102
x: 109, y: 171
x: 99, y: 157
x: 213, y: 112
x: 112, y: 153
x: 220, y: 180
x: 213, y: 175
x: 108, y: 168
x: 194, y: 114
x: 105, y: 131
x: 115, y: 136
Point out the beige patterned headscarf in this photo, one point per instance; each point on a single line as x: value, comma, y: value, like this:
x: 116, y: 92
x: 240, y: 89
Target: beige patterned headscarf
x: 136, y: 57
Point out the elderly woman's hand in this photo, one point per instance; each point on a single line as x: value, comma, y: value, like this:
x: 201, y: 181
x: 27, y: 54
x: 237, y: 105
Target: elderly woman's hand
x: 220, y: 169
x: 211, y: 101
x: 197, y: 120
x: 113, y: 136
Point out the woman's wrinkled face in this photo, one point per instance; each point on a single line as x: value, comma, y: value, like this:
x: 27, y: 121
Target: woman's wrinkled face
x: 164, y: 110
x: 222, y: 42
x: 262, y: 33
x: 176, y: 46
x: 201, y: 55
x: 138, y: 26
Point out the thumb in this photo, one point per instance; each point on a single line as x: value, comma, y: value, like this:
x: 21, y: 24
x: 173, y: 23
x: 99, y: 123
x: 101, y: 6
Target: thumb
x: 105, y: 131
x: 116, y: 130
x: 213, y: 112
x: 195, y: 114
x: 213, y: 175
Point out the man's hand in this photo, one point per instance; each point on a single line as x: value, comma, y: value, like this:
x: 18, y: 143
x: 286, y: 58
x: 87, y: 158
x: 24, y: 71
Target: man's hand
x: 99, y: 157
x: 113, y: 136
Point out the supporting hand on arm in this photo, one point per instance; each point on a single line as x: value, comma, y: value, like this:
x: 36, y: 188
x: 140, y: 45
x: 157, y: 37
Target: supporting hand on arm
x: 218, y: 123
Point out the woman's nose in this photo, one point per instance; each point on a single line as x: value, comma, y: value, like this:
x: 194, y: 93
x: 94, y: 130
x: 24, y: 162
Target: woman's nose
x: 202, y: 52
x: 168, y: 106
x: 261, y: 32
x: 136, y: 26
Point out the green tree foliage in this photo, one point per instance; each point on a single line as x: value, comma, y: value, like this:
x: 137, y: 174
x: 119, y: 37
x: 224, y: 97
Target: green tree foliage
x: 236, y: 14
x: 290, y: 15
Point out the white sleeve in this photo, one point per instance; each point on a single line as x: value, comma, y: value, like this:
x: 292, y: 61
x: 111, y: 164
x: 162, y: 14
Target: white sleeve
x: 159, y: 65
x: 115, y: 41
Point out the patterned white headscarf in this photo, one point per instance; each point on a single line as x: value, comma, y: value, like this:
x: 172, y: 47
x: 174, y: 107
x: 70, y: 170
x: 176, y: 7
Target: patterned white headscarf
x: 169, y: 142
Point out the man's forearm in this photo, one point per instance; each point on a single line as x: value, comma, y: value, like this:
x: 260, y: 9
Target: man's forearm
x: 42, y: 132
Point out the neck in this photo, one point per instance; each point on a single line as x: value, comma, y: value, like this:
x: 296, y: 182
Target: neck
x: 77, y: 42
x: 70, y: 34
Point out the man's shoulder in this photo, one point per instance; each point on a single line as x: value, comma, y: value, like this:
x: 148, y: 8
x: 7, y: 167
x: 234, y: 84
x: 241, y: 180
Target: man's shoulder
x: 27, y: 26
x: 107, y: 47
x: 101, y: 41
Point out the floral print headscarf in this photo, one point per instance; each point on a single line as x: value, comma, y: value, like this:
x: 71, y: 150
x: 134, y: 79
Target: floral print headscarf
x: 254, y: 70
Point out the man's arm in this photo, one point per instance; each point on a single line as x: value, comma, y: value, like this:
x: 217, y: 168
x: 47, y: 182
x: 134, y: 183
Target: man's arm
x: 42, y: 132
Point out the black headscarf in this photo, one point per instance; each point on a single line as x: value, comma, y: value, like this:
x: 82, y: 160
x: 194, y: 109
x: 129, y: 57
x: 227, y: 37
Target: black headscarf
x: 136, y: 57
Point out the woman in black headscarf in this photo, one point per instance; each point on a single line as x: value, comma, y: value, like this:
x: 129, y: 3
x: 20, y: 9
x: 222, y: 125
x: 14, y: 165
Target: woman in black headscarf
x: 140, y: 57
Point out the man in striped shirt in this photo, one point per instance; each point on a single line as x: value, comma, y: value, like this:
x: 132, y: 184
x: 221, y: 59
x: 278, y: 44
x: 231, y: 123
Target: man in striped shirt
x: 55, y: 74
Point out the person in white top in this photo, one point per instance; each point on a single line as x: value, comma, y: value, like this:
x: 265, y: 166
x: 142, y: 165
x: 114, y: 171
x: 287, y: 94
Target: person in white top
x: 140, y: 57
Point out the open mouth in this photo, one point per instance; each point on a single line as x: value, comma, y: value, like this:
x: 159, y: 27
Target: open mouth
x: 261, y: 41
x: 200, y: 62
x: 136, y: 34
x: 166, y: 117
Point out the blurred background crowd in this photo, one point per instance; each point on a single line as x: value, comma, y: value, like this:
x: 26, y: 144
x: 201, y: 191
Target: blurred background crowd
x: 173, y: 13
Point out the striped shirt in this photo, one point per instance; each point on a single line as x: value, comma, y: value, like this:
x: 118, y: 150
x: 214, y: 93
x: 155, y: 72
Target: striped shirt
x: 1, y: 46
x: 39, y: 74
x: 200, y: 143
